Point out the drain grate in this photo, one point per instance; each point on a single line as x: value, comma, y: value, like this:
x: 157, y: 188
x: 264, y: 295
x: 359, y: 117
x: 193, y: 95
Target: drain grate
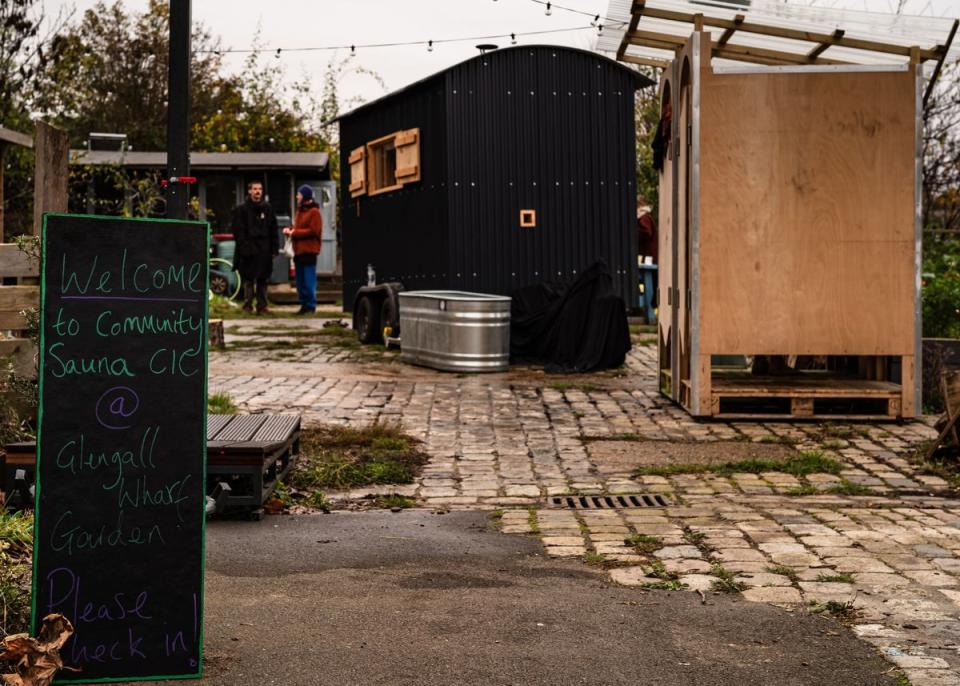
x: 609, y: 502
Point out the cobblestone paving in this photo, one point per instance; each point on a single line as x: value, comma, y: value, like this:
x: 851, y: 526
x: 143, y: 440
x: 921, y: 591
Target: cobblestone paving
x: 509, y: 441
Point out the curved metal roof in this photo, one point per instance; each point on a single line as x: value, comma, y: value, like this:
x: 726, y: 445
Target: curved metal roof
x: 642, y: 81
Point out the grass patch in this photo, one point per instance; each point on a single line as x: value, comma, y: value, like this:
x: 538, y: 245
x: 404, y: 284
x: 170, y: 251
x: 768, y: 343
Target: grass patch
x: 809, y: 462
x: 725, y: 581
x: 221, y: 403
x: 644, y: 544
x: 694, y: 537
x: 637, y: 329
x: 837, y: 578
x: 338, y: 457
x: 784, y: 570
x: 318, y: 501
x: 394, y: 501
x: 16, y: 549
x: 495, y: 520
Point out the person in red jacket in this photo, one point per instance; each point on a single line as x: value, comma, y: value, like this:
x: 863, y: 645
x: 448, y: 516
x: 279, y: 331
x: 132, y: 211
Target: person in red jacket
x: 307, y: 234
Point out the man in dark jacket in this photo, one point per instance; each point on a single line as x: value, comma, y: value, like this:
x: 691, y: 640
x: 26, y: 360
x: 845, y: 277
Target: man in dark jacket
x: 255, y: 230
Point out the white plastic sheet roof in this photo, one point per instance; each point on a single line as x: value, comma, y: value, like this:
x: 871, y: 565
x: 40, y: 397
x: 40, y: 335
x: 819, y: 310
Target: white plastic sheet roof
x: 900, y: 30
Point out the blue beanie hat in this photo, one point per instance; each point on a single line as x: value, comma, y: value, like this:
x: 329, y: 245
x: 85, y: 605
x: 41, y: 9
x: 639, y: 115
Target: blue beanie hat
x: 306, y: 192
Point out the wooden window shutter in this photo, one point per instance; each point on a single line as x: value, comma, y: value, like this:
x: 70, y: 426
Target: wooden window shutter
x: 358, y: 171
x: 408, y: 156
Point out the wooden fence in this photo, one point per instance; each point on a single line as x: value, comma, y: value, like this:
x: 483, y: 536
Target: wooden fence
x: 19, y: 274
x: 14, y: 298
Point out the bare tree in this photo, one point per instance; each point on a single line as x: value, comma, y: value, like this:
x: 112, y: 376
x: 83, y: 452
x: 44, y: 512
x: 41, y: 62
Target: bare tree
x: 941, y: 154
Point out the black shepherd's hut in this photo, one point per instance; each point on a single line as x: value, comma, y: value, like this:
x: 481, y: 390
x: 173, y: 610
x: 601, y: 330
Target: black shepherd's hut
x: 512, y: 168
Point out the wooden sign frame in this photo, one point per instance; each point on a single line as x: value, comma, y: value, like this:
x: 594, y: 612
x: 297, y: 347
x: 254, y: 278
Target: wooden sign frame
x: 138, y: 613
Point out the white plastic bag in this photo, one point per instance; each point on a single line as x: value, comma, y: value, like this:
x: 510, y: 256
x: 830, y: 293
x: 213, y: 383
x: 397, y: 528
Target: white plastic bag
x: 287, y: 247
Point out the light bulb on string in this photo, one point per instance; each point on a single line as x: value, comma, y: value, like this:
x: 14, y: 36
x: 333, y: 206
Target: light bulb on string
x: 548, y: 11
x: 600, y: 28
x: 513, y: 39
x: 353, y: 50
x: 429, y: 46
x: 278, y: 53
x: 595, y: 20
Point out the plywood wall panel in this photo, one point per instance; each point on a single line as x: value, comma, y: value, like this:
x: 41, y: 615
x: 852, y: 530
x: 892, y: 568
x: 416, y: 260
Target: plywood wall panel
x: 807, y: 213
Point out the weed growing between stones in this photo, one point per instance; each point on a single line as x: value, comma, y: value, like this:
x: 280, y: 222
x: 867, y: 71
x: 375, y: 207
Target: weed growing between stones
x: 941, y: 463
x: 808, y: 462
x: 725, y: 581
x: 834, y: 608
x: 847, y: 488
x: 660, y: 572
x: 645, y: 545
x: 837, y: 577
x: 674, y: 585
x: 784, y: 570
x: 593, y: 558
x: 532, y: 520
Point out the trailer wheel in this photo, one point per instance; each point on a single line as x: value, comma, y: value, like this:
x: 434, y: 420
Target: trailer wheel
x: 368, y: 322
x: 388, y: 316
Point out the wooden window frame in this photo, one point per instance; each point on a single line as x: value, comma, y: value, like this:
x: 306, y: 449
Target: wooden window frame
x: 370, y: 162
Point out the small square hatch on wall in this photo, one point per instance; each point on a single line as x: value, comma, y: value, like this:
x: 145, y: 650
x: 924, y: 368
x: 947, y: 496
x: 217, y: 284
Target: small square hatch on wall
x: 528, y: 219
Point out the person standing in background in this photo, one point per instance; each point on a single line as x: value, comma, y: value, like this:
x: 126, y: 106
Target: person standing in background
x: 307, y: 234
x: 255, y: 230
x: 646, y: 232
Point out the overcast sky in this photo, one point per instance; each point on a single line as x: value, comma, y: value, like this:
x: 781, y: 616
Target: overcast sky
x: 309, y: 23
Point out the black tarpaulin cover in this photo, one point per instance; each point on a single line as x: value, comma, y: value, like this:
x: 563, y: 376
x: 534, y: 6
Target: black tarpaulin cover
x: 570, y: 328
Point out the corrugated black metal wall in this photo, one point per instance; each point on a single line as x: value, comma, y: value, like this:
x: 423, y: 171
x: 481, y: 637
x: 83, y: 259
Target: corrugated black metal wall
x: 402, y: 233
x: 545, y: 128
x: 548, y: 129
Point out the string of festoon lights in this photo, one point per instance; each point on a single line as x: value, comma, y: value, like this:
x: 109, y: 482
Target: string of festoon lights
x: 597, y: 23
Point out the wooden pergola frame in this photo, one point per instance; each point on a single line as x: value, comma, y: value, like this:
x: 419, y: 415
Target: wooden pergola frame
x: 721, y: 47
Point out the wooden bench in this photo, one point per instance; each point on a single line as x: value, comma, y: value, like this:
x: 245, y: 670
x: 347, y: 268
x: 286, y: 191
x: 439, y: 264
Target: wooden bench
x: 247, y: 455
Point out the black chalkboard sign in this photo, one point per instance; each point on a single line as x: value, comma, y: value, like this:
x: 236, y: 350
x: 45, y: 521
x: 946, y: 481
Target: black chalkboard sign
x: 121, y: 444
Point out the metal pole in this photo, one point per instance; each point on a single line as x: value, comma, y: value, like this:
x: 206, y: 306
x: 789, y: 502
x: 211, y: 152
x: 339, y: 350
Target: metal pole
x: 178, y: 110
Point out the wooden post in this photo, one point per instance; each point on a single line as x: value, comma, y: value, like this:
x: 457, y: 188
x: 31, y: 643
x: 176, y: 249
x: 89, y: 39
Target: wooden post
x: 178, y: 110
x: 50, y: 172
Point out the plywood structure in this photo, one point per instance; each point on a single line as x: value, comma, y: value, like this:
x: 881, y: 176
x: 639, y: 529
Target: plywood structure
x: 790, y: 207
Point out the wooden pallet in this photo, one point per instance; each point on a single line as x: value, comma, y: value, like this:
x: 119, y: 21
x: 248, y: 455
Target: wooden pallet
x: 806, y: 395
x: 248, y: 453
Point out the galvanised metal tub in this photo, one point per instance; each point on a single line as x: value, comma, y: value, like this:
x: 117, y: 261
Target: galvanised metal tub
x: 455, y: 331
